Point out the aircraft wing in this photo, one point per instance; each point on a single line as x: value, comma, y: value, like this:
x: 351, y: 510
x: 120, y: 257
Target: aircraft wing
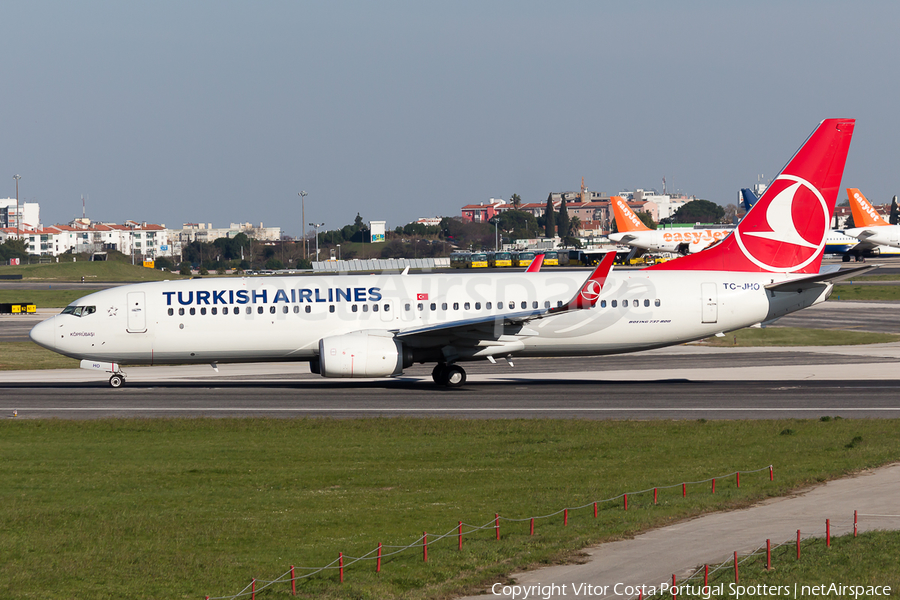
x: 504, y: 330
x: 829, y: 276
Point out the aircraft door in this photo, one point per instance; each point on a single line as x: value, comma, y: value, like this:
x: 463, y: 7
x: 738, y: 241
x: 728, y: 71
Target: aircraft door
x: 137, y: 313
x: 709, y: 298
x: 387, y: 312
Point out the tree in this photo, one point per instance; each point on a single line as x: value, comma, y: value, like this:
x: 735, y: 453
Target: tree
x: 13, y: 249
x: 516, y: 201
x: 895, y: 212
x: 699, y: 211
x: 646, y: 218
x: 574, y: 225
x: 549, y: 220
x: 562, y: 220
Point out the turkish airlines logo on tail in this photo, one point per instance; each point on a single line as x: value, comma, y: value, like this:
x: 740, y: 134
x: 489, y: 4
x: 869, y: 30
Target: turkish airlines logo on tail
x: 788, y: 233
x: 591, y: 291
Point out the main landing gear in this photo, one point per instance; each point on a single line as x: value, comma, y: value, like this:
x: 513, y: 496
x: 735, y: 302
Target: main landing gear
x: 448, y: 375
x: 117, y: 379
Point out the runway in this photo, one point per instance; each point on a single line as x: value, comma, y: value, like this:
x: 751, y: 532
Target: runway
x: 681, y: 383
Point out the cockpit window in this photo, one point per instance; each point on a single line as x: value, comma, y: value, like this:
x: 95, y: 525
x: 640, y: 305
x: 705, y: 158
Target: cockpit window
x: 79, y: 311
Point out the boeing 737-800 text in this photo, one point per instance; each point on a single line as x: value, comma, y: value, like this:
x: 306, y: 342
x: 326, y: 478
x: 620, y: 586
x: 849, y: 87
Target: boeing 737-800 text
x: 377, y: 325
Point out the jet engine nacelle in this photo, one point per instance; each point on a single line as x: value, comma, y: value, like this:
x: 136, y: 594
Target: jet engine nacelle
x: 362, y: 354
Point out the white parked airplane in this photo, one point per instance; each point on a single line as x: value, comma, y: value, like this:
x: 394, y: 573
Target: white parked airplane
x: 870, y: 228
x: 632, y: 231
x: 377, y: 325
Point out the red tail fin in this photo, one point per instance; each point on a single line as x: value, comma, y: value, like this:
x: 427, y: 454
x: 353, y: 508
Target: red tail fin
x: 785, y: 231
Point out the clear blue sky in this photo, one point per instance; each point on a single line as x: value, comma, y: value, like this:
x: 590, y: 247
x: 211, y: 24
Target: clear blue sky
x: 175, y: 112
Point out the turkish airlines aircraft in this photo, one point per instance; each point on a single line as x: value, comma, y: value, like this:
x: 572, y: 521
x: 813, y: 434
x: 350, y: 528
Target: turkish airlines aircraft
x: 633, y: 232
x: 871, y: 228
x: 377, y: 325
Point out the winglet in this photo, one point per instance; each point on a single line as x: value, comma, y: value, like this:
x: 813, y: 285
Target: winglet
x: 626, y: 220
x: 590, y: 291
x: 536, y: 263
x: 864, y: 214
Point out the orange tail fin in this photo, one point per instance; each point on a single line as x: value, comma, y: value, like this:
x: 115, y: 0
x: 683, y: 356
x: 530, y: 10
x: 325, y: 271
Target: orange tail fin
x: 626, y: 220
x: 864, y: 214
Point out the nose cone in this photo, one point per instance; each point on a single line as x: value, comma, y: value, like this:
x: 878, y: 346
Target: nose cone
x: 43, y: 334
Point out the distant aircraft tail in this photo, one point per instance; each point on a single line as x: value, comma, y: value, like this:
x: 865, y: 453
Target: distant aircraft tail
x: 786, y: 231
x: 864, y: 214
x: 626, y: 220
x: 748, y: 199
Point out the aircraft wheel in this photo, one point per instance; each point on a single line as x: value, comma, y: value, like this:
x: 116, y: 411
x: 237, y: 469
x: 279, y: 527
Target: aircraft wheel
x: 845, y: 258
x: 456, y: 376
x: 116, y: 381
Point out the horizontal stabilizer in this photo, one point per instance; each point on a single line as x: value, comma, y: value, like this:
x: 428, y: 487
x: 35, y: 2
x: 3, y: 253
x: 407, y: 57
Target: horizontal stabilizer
x: 827, y: 277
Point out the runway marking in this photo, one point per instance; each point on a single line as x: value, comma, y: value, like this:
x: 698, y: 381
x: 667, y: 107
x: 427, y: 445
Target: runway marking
x: 474, y: 409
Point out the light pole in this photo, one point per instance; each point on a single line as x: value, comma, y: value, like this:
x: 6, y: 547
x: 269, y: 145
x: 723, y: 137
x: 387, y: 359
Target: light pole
x: 339, y: 251
x: 303, y: 196
x: 17, y: 177
x: 317, y: 225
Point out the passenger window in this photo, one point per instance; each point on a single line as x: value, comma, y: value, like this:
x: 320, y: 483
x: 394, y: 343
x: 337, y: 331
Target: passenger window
x: 297, y: 309
x: 203, y: 310
x: 365, y: 307
x: 624, y: 303
x: 331, y: 308
x: 259, y: 310
x: 387, y: 308
x: 533, y: 304
x: 467, y: 306
x: 171, y: 311
x: 225, y: 310
x: 646, y: 302
x: 250, y: 310
x: 180, y: 312
x: 603, y: 304
x: 443, y: 306
x: 214, y: 310
x: 613, y: 303
x: 559, y: 304
x: 354, y: 308
x: 193, y: 311
x: 407, y: 307
x: 656, y: 302
x: 546, y: 304
x: 456, y: 306
x: 487, y: 305
x: 374, y: 308
x: 272, y: 309
x: 433, y: 306
x: 478, y: 306
x: 308, y: 308
x: 421, y: 306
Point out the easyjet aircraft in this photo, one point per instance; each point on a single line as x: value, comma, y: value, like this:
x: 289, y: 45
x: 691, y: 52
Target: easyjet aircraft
x: 870, y: 228
x: 377, y: 325
x: 633, y: 232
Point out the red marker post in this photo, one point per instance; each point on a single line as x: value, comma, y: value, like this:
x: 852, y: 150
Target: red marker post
x: 293, y: 582
x: 378, y: 562
x: 497, y: 524
x: 424, y: 546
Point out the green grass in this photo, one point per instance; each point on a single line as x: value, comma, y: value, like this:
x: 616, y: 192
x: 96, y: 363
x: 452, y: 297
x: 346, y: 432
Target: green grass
x: 796, y: 336
x: 185, y: 508
x: 866, y: 292
x: 867, y: 560
x: 101, y: 271
x: 48, y: 298
x: 17, y: 356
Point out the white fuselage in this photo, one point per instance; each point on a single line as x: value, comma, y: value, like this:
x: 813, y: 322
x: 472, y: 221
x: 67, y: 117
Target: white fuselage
x: 686, y: 241
x: 884, y: 235
x: 284, y: 318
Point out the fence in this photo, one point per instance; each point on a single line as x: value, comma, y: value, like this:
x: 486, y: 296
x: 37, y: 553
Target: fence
x: 459, y: 531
